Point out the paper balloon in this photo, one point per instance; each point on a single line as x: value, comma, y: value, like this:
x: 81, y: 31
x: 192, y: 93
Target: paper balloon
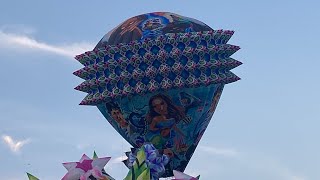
x: 157, y: 78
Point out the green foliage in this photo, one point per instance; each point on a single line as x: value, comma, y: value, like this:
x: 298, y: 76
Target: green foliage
x: 139, y: 170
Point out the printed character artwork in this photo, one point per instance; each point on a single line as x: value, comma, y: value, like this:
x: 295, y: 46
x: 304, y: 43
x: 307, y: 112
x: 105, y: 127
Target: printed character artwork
x: 130, y: 124
x: 124, y: 33
x: 137, y: 122
x: 206, y: 117
x: 162, y: 119
x: 189, y: 101
x: 215, y: 101
x: 129, y: 78
x: 172, y: 121
x: 115, y: 113
x: 151, y: 25
x: 182, y: 24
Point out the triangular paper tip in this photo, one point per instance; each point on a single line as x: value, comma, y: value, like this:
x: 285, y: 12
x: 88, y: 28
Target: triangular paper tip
x: 95, y: 155
x: 32, y: 177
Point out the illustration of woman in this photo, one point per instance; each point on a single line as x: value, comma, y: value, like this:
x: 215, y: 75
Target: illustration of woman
x: 162, y: 117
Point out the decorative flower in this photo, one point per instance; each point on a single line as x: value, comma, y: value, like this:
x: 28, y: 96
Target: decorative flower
x: 154, y: 161
x: 85, y: 168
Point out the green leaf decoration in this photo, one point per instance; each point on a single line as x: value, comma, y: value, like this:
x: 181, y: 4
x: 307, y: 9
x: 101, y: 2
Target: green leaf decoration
x: 139, y: 170
x: 95, y: 156
x: 32, y: 177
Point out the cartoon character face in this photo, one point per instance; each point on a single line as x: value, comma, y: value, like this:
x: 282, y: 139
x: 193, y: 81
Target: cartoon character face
x: 160, y: 106
x: 117, y: 115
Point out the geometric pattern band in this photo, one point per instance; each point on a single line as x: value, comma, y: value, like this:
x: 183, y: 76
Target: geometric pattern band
x: 174, y: 60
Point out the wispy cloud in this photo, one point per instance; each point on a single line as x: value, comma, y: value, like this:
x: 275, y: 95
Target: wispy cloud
x: 241, y: 162
x: 295, y: 177
x: 289, y: 174
x: 269, y: 166
x: 24, y: 41
x: 218, y: 151
x: 14, y: 145
x: 82, y: 146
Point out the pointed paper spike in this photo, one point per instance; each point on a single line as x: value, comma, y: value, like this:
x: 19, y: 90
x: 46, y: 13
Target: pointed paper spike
x: 87, y: 100
x: 69, y: 165
x: 232, y: 77
x: 85, y: 57
x: 95, y: 156
x: 231, y: 49
x: 127, y: 153
x: 182, y: 176
x: 84, y: 157
x: 230, y: 63
x: 83, y: 103
x: 84, y: 87
x: 81, y: 73
x: 31, y: 177
x: 126, y: 163
x: 226, y: 77
x: 101, y: 162
x: 228, y: 35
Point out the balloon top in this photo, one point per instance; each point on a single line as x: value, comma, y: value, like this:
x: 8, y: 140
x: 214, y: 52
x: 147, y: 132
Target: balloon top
x: 151, y: 25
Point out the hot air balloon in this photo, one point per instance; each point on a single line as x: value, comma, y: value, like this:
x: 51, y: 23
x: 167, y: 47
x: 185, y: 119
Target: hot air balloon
x: 157, y: 78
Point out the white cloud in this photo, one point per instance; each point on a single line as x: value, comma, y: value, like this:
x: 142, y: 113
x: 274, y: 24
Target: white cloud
x: 23, y: 41
x: 269, y: 166
x: 219, y: 151
x: 83, y: 146
x: 250, y: 163
x: 290, y: 175
x: 294, y: 177
x: 14, y: 145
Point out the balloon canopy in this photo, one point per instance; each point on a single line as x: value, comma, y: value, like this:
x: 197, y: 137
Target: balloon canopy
x: 157, y: 78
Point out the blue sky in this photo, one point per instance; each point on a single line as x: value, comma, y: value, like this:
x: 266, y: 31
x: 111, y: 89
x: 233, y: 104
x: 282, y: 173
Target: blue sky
x: 266, y: 126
